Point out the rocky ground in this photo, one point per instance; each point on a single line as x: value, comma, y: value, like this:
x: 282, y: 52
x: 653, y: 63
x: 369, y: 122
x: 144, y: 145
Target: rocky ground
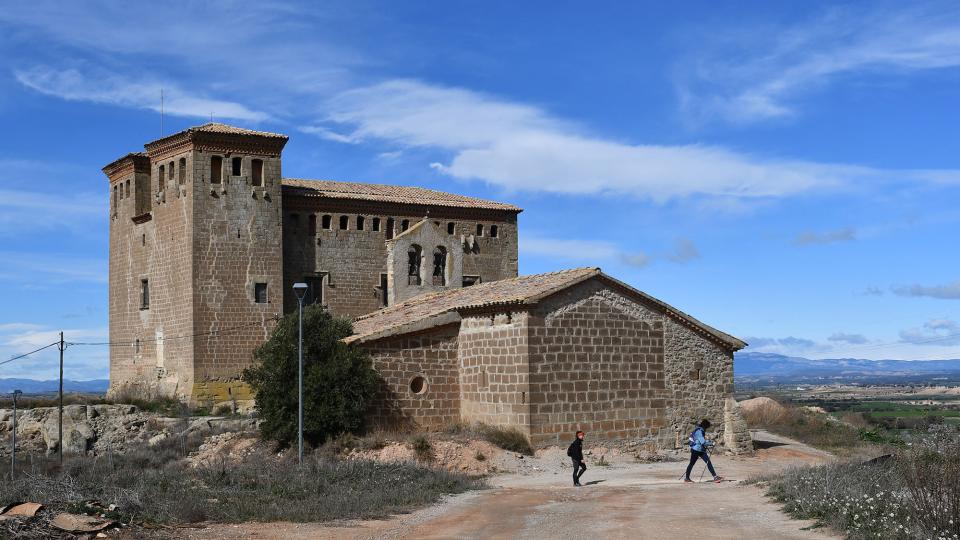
x: 98, y: 429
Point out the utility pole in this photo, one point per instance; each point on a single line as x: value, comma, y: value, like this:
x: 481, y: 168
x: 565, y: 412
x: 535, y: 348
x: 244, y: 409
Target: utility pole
x: 13, y: 452
x: 60, y: 412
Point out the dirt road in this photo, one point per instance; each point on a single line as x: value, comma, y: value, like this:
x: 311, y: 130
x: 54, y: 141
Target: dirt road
x: 636, y: 501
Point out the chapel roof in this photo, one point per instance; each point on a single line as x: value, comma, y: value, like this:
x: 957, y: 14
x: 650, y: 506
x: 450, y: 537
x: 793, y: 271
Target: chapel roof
x: 421, y: 311
x: 332, y: 189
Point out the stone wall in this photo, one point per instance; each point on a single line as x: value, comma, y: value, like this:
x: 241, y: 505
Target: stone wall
x: 428, y: 236
x: 596, y: 364
x: 151, y: 241
x: 493, y: 362
x: 403, y: 403
x: 352, y: 263
x: 237, y: 243
x: 699, y: 377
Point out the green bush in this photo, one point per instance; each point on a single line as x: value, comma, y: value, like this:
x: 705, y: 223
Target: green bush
x: 338, y: 380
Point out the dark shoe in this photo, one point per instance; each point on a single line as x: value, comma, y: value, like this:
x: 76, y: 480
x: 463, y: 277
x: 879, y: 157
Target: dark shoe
x: 687, y: 481
x: 577, y: 485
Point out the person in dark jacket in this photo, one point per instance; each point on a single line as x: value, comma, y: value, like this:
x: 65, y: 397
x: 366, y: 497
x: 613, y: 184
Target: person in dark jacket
x: 698, y: 450
x: 576, y: 454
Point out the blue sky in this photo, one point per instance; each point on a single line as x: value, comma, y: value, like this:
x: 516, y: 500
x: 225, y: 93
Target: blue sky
x: 788, y: 173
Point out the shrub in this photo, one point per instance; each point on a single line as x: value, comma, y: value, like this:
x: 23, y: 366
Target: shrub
x: 479, y: 456
x: 422, y: 447
x: 931, y: 473
x: 338, y: 380
x: 511, y: 439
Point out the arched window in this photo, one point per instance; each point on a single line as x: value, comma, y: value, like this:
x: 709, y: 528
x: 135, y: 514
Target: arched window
x: 494, y: 231
x: 405, y: 224
x: 388, y: 232
x: 216, y: 169
x: 451, y: 227
x: 236, y: 165
x: 479, y: 229
x: 360, y: 221
x: 440, y: 266
x: 344, y: 222
x: 182, y: 171
x: 414, y: 254
x: 325, y: 222
x: 376, y: 224
x: 161, y: 179
x: 170, y: 172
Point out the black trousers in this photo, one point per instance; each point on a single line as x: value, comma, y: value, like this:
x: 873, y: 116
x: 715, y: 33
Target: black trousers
x: 694, y: 456
x: 579, y: 467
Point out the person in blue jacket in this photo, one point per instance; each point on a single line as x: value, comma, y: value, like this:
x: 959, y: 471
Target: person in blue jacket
x: 698, y: 450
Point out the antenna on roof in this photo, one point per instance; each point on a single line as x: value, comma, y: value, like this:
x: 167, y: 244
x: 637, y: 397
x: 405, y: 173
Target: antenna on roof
x: 161, y: 111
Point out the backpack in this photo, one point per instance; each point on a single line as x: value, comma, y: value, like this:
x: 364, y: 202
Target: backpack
x: 570, y: 449
x: 692, y: 438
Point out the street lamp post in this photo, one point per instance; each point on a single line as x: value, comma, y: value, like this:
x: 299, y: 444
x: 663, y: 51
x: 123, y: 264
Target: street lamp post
x: 13, y: 451
x: 300, y: 290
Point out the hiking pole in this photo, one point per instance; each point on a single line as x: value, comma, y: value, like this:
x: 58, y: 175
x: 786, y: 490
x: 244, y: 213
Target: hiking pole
x: 706, y: 450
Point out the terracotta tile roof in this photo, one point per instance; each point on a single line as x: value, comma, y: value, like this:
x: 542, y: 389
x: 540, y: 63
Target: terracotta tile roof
x: 417, y: 313
x: 388, y: 193
x: 506, y: 291
x: 216, y: 127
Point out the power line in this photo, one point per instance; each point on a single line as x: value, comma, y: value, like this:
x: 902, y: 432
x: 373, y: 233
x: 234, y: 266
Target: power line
x: 173, y: 338
x: 894, y: 343
x: 24, y: 355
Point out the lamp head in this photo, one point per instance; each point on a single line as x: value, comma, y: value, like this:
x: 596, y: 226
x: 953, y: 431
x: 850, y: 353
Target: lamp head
x: 300, y: 289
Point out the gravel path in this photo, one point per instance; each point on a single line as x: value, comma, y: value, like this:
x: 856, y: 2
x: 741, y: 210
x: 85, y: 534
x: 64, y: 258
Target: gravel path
x: 637, y: 501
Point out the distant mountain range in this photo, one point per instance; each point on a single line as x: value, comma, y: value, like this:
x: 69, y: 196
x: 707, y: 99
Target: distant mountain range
x: 769, y: 367
x: 30, y: 386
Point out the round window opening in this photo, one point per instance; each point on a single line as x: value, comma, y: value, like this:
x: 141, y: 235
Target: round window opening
x: 418, y: 385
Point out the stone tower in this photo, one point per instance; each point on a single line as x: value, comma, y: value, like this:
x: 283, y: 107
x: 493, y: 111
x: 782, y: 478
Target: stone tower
x: 196, y: 263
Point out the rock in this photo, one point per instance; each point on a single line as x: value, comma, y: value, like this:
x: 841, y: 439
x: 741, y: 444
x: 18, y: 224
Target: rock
x: 80, y: 524
x: 158, y: 438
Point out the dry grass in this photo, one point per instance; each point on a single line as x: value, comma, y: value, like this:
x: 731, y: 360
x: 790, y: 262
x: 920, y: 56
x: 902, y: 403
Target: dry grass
x: 156, y: 486
x: 510, y: 439
x: 819, y: 430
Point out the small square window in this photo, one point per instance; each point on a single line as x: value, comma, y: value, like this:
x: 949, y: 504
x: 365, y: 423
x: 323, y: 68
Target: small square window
x: 260, y: 293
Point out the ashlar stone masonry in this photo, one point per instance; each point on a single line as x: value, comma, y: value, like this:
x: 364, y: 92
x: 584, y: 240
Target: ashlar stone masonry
x: 207, y: 238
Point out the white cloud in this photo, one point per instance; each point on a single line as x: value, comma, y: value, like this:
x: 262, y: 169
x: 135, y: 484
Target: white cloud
x: 842, y: 337
x: 950, y: 291
x: 41, y: 269
x: 113, y: 89
x: 937, y: 332
x: 80, y: 362
x: 521, y: 147
x: 684, y: 251
x: 587, y: 250
x: 755, y: 75
x: 807, y: 238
